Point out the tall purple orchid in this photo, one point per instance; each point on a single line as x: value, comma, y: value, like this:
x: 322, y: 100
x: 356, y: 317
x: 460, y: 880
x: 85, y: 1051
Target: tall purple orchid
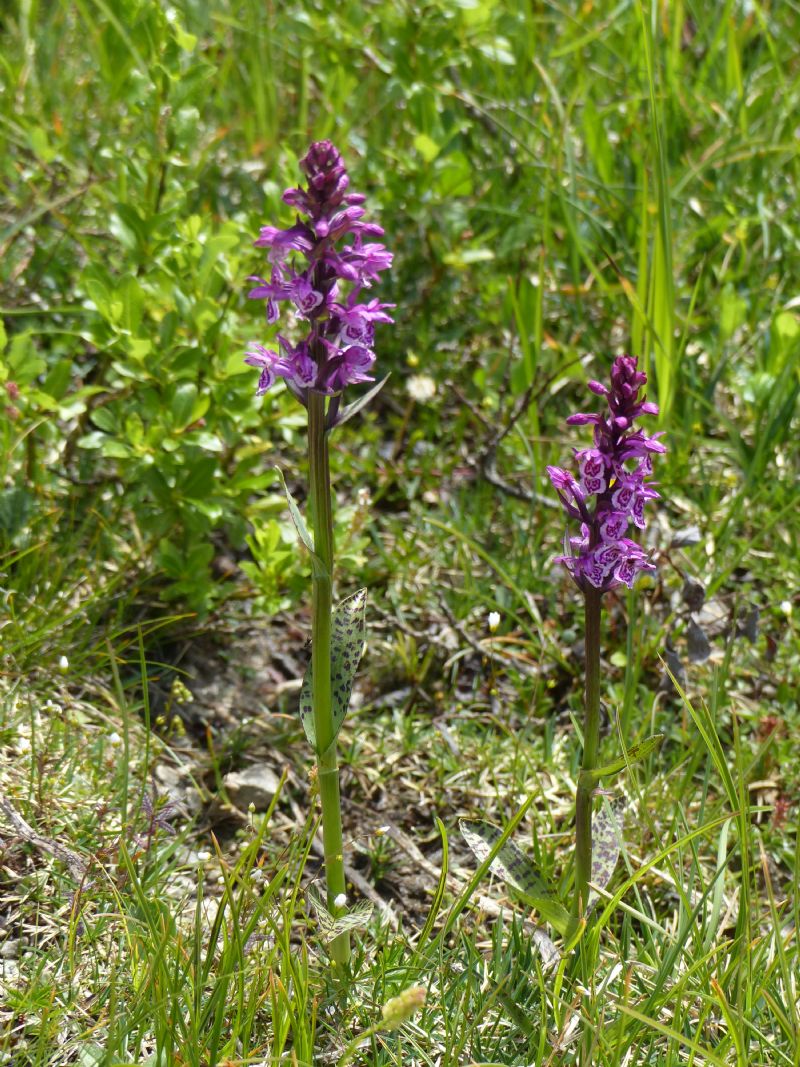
x: 607, y: 498
x: 320, y: 267
x: 311, y: 268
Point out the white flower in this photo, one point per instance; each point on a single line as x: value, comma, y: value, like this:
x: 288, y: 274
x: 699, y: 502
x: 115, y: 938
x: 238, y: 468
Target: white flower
x: 494, y: 620
x: 63, y: 664
x: 421, y: 387
x: 114, y: 739
x: 340, y: 901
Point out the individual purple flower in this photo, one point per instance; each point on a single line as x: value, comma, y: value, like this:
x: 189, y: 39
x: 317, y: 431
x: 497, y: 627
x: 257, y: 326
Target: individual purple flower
x: 613, y: 525
x: 613, y: 474
x: 367, y: 260
x: 309, y: 268
x: 349, y: 367
x: 297, y: 238
x: 592, y: 465
x: 273, y: 292
x: 357, y: 320
x: 568, y: 489
x: 270, y: 364
x: 305, y: 296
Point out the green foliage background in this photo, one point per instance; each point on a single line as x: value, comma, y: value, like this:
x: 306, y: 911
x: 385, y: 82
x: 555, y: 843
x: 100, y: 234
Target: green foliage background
x: 552, y: 185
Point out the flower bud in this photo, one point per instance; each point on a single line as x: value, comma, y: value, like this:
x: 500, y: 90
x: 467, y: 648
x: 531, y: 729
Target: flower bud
x: 399, y: 1009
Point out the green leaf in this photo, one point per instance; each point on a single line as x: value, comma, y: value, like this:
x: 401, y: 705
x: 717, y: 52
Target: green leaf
x: 517, y: 870
x: 40, y: 145
x: 134, y: 429
x: 635, y: 754
x: 131, y: 297
x: 426, y: 147
x: 299, y: 522
x: 732, y: 313
x: 353, y: 409
x: 105, y: 419
x: 115, y: 449
x: 127, y: 225
x: 348, y: 627
x: 184, y: 40
x: 199, y: 476
x: 24, y: 362
x: 59, y: 379
x: 182, y: 406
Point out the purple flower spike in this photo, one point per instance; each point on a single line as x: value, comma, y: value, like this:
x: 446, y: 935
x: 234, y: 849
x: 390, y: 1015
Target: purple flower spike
x: 612, y: 476
x: 308, y: 272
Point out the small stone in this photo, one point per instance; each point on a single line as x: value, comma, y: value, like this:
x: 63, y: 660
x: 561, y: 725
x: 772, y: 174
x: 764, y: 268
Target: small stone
x: 255, y: 785
x: 9, y: 950
x: 687, y: 537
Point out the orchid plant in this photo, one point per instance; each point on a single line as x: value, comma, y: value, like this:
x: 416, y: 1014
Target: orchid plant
x: 606, y: 498
x: 319, y: 269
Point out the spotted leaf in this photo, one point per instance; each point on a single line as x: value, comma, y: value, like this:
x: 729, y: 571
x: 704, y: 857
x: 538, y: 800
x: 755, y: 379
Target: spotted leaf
x: 516, y: 870
x: 330, y: 927
x: 348, y: 627
x: 606, y: 844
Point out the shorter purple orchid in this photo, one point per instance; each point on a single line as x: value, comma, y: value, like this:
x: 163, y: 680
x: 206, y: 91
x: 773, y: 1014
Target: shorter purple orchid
x: 308, y: 272
x: 613, y: 472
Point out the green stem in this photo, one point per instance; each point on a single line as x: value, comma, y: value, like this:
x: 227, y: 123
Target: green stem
x: 327, y: 763
x: 591, y: 743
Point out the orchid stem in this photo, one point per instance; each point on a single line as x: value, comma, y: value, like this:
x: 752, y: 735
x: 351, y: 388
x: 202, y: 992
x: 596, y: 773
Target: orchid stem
x: 327, y: 761
x: 591, y: 744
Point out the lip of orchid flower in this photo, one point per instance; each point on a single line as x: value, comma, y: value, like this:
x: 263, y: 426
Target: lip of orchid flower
x: 338, y: 349
x: 603, y: 557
